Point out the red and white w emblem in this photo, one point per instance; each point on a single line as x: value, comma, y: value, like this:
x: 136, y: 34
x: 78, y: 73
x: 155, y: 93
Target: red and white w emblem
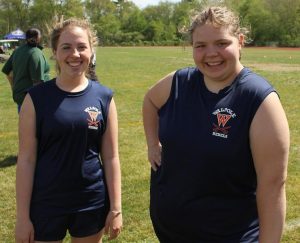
x: 223, y: 119
x: 93, y: 115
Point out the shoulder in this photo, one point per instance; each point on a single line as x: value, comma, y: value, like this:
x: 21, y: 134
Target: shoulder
x: 253, y: 81
x: 100, y: 87
x: 21, y: 48
x: 252, y: 86
x: 187, y: 77
x: 40, y: 93
x: 182, y: 75
x: 36, y: 51
x: 160, y: 92
x: 188, y: 73
x: 42, y: 88
x: 251, y: 90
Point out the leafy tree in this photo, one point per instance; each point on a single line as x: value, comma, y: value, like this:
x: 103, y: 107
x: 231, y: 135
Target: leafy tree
x: 15, y: 13
x: 289, y: 19
x: 22, y: 13
x: 72, y: 8
x: 260, y: 20
x: 159, y: 19
x: 183, y: 14
x: 154, y: 31
x: 136, y: 21
x: 102, y: 14
x: 122, y: 22
x: 7, y: 22
x: 41, y: 14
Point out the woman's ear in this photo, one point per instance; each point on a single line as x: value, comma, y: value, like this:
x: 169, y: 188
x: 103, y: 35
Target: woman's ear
x: 241, y: 44
x: 241, y: 40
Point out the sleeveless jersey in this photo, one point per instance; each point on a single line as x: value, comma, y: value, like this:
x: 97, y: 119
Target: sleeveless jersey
x: 205, y: 189
x: 69, y: 174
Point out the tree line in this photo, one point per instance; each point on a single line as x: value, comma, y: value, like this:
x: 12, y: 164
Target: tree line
x: 121, y: 22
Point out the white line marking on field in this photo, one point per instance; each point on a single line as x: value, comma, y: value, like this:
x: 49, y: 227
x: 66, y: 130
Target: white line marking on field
x: 292, y: 224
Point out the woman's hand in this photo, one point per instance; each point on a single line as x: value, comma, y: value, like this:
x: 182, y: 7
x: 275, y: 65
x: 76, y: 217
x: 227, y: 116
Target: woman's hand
x: 113, y: 224
x: 24, y: 231
x: 154, y: 156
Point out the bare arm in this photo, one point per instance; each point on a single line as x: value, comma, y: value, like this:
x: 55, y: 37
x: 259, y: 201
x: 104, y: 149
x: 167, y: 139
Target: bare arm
x: 25, y: 170
x: 154, y: 99
x: 110, y: 157
x: 269, y: 138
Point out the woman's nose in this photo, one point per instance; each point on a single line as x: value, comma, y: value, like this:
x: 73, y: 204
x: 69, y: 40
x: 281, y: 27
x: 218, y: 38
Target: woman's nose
x: 75, y: 52
x: 211, y: 51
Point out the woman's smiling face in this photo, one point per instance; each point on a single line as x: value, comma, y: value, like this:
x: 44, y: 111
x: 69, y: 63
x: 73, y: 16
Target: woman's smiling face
x: 73, y: 52
x: 216, y: 53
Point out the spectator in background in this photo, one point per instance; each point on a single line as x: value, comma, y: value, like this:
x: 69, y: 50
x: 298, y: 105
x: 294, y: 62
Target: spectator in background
x: 2, y: 50
x: 5, y: 46
x: 27, y: 66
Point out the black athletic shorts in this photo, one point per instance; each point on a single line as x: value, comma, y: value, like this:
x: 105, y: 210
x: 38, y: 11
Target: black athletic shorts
x: 80, y: 224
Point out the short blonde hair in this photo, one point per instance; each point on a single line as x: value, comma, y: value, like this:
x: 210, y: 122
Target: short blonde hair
x: 218, y: 17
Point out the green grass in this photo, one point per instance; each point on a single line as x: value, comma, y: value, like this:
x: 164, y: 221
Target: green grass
x: 130, y: 72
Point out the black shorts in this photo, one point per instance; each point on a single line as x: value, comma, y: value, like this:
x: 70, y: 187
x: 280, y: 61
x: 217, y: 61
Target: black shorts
x: 80, y: 224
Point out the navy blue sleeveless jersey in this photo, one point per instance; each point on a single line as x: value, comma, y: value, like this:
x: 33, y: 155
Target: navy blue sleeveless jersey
x: 69, y: 175
x: 205, y: 189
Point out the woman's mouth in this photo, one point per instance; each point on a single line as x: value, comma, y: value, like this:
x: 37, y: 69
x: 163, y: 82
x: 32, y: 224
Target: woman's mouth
x: 213, y: 64
x: 74, y: 64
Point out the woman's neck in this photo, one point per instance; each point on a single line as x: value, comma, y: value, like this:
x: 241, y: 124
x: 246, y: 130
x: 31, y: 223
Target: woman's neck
x: 71, y: 85
x: 215, y: 86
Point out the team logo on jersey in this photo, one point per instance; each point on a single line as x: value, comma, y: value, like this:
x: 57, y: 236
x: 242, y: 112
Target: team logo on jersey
x: 223, y: 115
x: 93, y: 113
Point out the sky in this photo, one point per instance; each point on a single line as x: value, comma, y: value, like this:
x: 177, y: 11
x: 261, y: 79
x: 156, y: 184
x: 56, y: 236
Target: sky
x: 143, y: 3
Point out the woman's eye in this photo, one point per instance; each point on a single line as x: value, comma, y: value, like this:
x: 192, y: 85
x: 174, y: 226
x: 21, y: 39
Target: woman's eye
x: 199, y: 46
x: 222, y: 44
x: 82, y: 48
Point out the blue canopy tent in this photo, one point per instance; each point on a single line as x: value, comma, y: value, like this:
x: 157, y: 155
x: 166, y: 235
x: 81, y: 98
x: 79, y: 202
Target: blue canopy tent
x: 16, y: 35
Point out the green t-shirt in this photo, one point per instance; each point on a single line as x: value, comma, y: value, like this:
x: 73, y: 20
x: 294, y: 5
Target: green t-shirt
x: 29, y: 65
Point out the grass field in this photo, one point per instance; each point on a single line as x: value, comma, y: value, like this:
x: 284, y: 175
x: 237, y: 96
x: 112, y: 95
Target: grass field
x: 130, y: 72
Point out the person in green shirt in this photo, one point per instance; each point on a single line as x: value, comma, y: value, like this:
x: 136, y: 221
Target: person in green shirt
x: 27, y: 66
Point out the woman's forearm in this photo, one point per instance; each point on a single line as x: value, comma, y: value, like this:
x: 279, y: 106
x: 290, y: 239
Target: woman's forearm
x: 271, y: 203
x: 113, y: 177
x: 24, y: 183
